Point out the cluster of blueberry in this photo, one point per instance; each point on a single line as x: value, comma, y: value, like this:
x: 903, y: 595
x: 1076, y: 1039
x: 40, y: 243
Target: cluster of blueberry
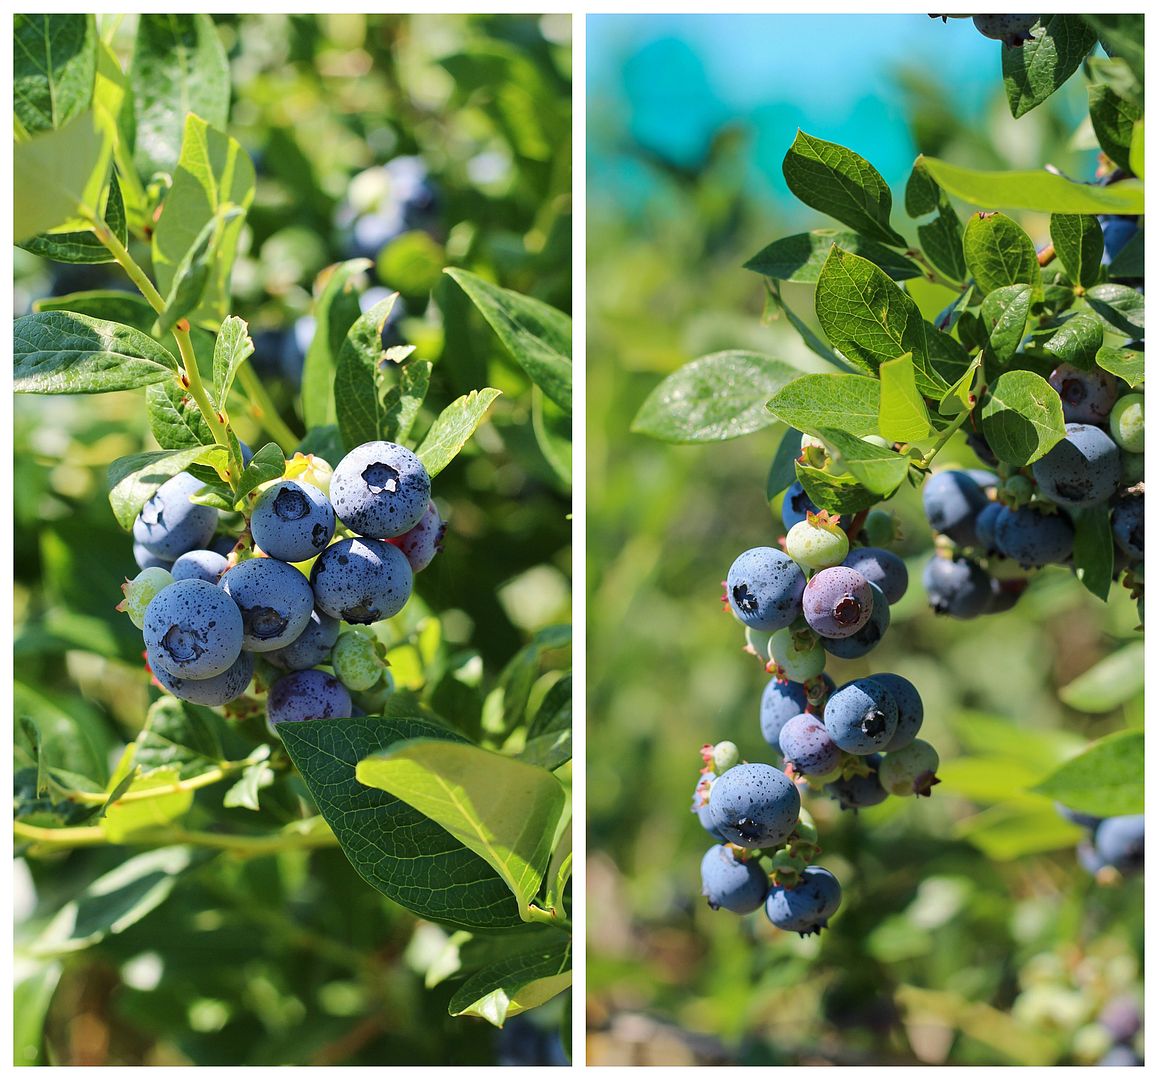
x: 1114, y: 843
x: 857, y: 742
x: 326, y: 548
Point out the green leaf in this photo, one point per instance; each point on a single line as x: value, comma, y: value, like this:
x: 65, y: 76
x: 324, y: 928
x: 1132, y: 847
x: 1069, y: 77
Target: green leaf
x: 959, y: 396
x: 834, y: 180
x: 903, y: 415
x: 812, y: 402
x: 114, y: 901
x: 515, y: 984
x: 246, y: 793
x: 58, y: 177
x: 1005, y: 312
x: 453, y: 428
x: 1076, y: 341
x: 1130, y: 262
x: 233, y: 347
x: 1106, y: 780
x: 559, y: 870
x: 782, y: 472
x: 552, y: 429
x: 1127, y: 364
x: 1121, y: 308
x: 267, y: 464
x: 179, y: 69
x: 1138, y: 148
x: 870, y: 320
x: 174, y: 419
x: 394, y: 847
x: 555, y: 711
x: 1040, y: 66
x: 1111, y: 682
x: 180, y: 735
x: 189, y: 279
x: 799, y: 258
x: 1038, y: 190
x: 123, y: 819
x: 518, y: 677
x: 1124, y: 36
x: 502, y: 809
x: 999, y: 252
x: 878, y: 469
x: 537, y: 335
x: 134, y: 479
x: 1093, y: 549
x: 83, y: 247
x: 1017, y: 828
x: 335, y: 312
x: 940, y: 238
x: 31, y: 997
x: 60, y: 352
x: 213, y: 185
x: 359, y: 377
x: 53, y: 68
x: 1113, y: 119
x: 1021, y: 417
x: 716, y: 397
x: 1077, y: 239
x: 836, y: 494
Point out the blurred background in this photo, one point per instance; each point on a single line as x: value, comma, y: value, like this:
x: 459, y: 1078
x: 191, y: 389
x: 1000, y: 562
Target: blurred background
x: 969, y: 932
x: 416, y: 142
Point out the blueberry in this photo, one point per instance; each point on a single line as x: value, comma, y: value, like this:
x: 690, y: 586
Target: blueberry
x: 355, y: 660
x: 911, y: 770
x: 796, y: 656
x: 700, y: 805
x: 361, y: 581
x: 781, y: 701
x: 275, y: 602
x: 985, y: 527
x: 858, y: 792
x: 1120, y: 842
x: 984, y: 478
x: 910, y: 709
x: 192, y: 630
x: 796, y: 506
x: 957, y: 586
x: 861, y: 717
x: 755, y: 806
x: 837, y: 602
x: 868, y: 637
x: 732, y: 883
x: 424, y: 541
x: 808, y: 747
x: 952, y: 501
x: 1122, y: 1018
x: 292, y: 521
x: 213, y: 691
x: 1034, y: 538
x: 1088, y: 858
x: 223, y: 545
x: 764, y: 588
x: 1086, y: 396
x: 806, y: 908
x: 311, y: 647
x: 1011, y: 30
x: 978, y: 444
x: 307, y: 695
x: 1082, y: 469
x: 169, y: 524
x: 816, y: 543
x: 140, y: 591
x: 882, y: 568
x: 1120, y: 1055
x: 146, y: 560
x: 1128, y: 423
x: 1127, y: 520
x: 206, y: 565
x: 1086, y: 821
x: 380, y: 490
x: 1117, y: 230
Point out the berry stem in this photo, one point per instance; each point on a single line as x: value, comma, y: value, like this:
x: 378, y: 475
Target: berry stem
x: 91, y: 835
x: 946, y: 435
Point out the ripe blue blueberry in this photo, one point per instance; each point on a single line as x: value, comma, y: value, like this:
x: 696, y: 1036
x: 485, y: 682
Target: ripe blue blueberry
x: 765, y: 587
x: 275, y: 602
x: 146, y: 560
x: 984, y: 478
x: 380, y: 490
x: 868, y: 637
x: 861, y: 717
x: 223, y: 545
x: 1031, y: 537
x: 985, y: 527
x: 1081, y: 470
x: 1086, y: 396
x: 755, y: 806
x: 1117, y: 230
x: 1121, y: 842
x: 837, y: 602
x: 292, y: 521
x: 192, y: 630
x: 958, y: 587
x: 952, y: 501
x: 910, y: 709
x: 361, y: 580
x: 311, y: 647
x: 203, y: 564
x: 1086, y: 821
x: 808, y: 747
x: 857, y: 792
x: 213, y: 691
x: 806, y: 908
x: 780, y: 702
x: 1011, y: 30
x: 307, y: 695
x: 169, y: 524
x: 882, y: 568
x: 700, y: 805
x: 1127, y: 521
x: 796, y: 506
x: 424, y: 541
x: 732, y: 883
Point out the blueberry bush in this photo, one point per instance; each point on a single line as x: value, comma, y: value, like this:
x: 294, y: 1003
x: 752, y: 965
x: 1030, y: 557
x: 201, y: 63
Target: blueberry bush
x: 976, y: 371
x: 303, y: 795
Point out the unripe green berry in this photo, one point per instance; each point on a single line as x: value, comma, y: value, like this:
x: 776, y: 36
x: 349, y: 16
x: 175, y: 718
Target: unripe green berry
x: 1018, y: 490
x: 141, y: 590
x: 724, y: 755
x: 1133, y: 468
x: 757, y: 641
x: 813, y: 451
x: 816, y: 543
x: 877, y: 440
x: 911, y: 770
x: 798, y: 659
x: 372, y: 701
x: 880, y: 528
x: 356, y: 661
x: 1127, y: 423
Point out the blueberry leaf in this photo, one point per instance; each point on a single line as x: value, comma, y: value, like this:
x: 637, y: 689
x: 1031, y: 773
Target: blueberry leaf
x: 1111, y: 682
x: 453, y: 428
x: 1093, y: 549
x: 1021, y: 417
x: 1130, y: 262
x: 904, y: 417
x: 782, y: 472
x: 1076, y: 341
x: 335, y: 312
x: 1121, y: 308
x: 516, y: 983
x: 233, y: 347
x: 799, y: 258
x: 1005, y: 312
x: 1036, y: 69
x: 360, y: 378
x: 1113, y: 119
x: 83, y: 247
x: 836, y: 494
x: 940, y: 238
x: 1127, y: 364
x: 998, y: 252
x: 1107, y: 779
x: 134, y: 479
x: 774, y: 307
x: 811, y: 402
x: 1077, y: 239
x: 267, y: 464
x: 53, y: 67
x: 878, y: 468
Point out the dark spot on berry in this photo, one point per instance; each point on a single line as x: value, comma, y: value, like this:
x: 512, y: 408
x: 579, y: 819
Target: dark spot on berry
x: 318, y: 535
